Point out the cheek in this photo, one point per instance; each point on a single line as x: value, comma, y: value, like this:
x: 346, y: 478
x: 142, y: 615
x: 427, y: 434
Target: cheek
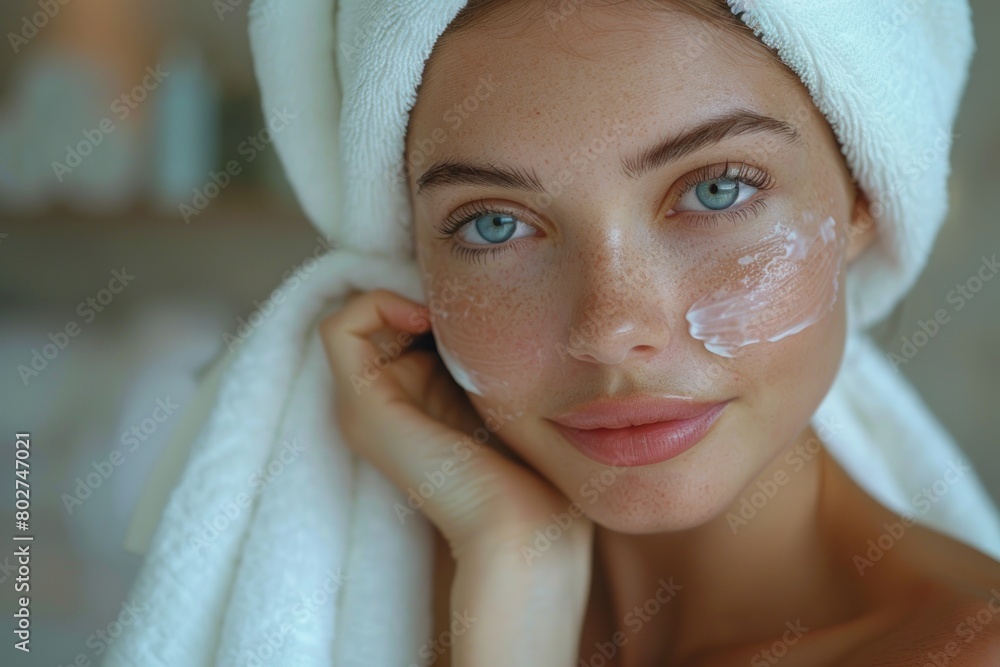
x: 492, y: 332
x: 777, y: 315
x: 771, y: 289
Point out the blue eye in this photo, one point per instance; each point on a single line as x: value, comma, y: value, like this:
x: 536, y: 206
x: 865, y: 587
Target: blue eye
x: 717, y: 194
x: 484, y: 225
x: 495, y: 227
x: 709, y: 189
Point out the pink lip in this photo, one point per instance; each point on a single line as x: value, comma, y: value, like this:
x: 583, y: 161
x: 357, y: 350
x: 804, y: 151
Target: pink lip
x: 638, y: 432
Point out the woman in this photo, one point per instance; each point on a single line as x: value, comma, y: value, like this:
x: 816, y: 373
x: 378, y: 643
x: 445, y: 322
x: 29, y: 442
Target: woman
x: 646, y: 220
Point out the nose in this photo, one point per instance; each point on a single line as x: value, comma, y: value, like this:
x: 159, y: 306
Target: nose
x: 620, y: 313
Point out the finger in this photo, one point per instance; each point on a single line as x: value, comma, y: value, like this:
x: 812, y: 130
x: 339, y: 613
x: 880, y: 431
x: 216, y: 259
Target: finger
x: 355, y: 360
x: 347, y: 331
x: 374, y: 395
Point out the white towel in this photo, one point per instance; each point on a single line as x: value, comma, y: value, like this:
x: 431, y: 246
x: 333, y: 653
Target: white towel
x: 323, y: 527
x: 277, y: 540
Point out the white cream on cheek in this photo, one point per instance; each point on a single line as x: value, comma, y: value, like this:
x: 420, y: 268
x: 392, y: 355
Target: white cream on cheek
x: 783, y: 283
x: 452, y: 298
x: 457, y: 370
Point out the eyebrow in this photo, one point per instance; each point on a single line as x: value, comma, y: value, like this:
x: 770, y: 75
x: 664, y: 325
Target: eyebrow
x: 713, y: 131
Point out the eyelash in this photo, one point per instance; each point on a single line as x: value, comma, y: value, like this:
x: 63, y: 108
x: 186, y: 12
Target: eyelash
x: 747, y: 174
x: 466, y: 215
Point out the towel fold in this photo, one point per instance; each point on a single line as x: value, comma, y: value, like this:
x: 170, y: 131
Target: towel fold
x: 277, y: 540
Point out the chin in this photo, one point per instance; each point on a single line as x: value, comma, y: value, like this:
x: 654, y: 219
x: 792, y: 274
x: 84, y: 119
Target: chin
x: 641, y: 519
x: 676, y: 495
x: 655, y: 504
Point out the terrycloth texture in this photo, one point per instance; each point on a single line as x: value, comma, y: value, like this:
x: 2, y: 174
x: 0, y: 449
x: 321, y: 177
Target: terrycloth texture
x: 277, y: 540
x: 888, y: 76
x: 888, y: 83
x: 882, y: 433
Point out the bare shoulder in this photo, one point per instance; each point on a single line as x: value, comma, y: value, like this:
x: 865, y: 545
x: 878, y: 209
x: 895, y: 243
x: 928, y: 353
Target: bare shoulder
x: 951, y: 613
x: 954, y: 628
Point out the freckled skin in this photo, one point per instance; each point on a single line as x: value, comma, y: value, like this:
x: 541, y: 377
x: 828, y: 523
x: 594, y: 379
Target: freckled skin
x: 593, y: 304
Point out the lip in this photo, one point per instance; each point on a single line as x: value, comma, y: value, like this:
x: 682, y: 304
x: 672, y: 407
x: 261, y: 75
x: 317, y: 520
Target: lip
x: 638, y: 432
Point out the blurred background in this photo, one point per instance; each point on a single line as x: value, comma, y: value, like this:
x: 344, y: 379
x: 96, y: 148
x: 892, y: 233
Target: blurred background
x: 143, y: 212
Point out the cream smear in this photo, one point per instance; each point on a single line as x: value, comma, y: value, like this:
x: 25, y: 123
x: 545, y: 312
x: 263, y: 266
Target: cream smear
x: 462, y: 376
x: 782, y: 284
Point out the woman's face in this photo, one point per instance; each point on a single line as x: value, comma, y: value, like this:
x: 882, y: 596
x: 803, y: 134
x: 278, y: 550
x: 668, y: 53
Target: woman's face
x: 568, y: 259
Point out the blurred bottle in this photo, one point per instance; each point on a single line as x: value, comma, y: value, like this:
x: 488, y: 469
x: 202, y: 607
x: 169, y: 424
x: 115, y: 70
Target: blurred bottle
x: 185, y: 127
x: 59, y: 141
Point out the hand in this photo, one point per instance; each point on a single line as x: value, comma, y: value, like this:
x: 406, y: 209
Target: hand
x: 412, y: 420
